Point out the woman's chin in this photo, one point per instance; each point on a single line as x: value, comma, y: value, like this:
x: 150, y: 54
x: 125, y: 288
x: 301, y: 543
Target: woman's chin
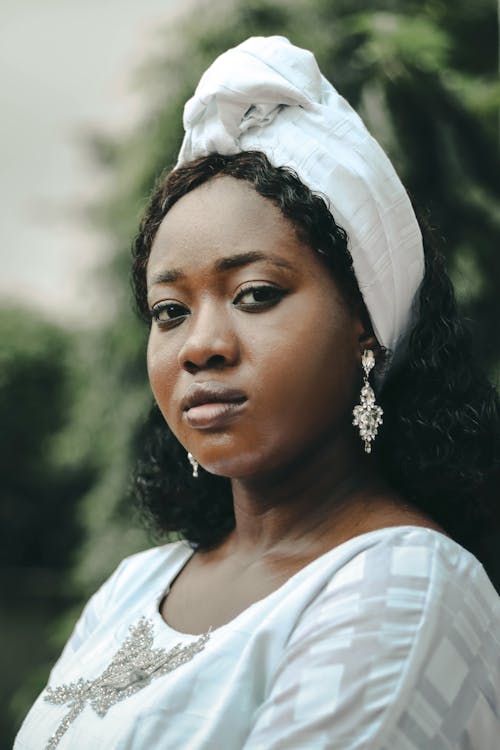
x: 238, y: 465
x: 231, y: 469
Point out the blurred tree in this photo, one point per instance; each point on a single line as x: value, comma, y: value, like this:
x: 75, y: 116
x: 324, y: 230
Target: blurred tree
x: 44, y: 476
x: 40, y: 484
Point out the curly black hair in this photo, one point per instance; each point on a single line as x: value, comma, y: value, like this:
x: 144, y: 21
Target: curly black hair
x: 440, y: 443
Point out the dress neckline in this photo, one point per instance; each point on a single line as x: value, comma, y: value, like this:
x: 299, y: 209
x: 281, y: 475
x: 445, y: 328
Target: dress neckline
x: 290, y: 582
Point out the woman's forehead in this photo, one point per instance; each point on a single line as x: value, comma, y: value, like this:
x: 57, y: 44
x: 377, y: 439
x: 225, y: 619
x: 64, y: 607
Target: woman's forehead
x: 224, y: 202
x: 220, y: 216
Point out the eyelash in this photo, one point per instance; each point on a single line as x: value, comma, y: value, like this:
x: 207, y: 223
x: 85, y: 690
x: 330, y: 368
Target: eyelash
x: 277, y: 294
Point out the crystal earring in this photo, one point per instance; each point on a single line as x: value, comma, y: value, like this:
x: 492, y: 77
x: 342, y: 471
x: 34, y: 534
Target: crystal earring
x: 194, y: 464
x: 367, y: 414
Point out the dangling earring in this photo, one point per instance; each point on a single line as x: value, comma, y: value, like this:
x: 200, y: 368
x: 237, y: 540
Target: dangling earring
x: 367, y: 414
x: 194, y: 464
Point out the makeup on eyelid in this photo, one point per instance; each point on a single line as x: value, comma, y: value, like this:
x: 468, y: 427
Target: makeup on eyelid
x: 270, y: 295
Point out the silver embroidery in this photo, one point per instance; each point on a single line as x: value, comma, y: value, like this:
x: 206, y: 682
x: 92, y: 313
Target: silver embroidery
x: 133, y: 667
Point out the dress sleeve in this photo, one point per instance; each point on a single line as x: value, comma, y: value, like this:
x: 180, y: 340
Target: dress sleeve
x: 375, y: 662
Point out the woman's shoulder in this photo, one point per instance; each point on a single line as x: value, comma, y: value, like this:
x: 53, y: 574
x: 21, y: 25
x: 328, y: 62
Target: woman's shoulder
x: 398, y: 563
x: 159, y: 555
x: 149, y: 568
x: 409, y: 581
x: 399, y: 649
x: 136, y: 577
x: 409, y: 553
x: 134, y: 583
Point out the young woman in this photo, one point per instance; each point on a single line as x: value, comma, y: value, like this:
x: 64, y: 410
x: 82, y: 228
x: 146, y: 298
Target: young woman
x: 322, y: 440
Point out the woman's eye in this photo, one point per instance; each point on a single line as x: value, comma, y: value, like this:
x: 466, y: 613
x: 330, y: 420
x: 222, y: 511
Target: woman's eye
x: 168, y: 312
x: 263, y: 295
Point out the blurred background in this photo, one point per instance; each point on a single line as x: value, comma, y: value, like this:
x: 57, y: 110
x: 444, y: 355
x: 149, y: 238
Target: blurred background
x: 92, y: 97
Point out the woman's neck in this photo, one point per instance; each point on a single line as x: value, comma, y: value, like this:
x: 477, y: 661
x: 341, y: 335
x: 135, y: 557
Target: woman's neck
x: 333, y: 494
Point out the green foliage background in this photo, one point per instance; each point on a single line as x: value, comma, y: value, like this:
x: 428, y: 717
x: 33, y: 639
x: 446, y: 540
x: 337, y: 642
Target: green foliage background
x: 424, y: 77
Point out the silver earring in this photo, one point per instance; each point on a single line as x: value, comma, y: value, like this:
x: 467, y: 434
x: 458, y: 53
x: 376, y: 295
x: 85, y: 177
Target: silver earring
x: 194, y: 464
x: 367, y: 414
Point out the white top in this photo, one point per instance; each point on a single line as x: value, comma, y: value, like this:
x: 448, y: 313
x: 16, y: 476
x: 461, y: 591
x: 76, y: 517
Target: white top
x: 389, y: 641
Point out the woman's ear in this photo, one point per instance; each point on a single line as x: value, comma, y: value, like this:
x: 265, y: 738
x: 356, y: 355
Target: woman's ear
x: 368, y: 340
x: 364, y: 330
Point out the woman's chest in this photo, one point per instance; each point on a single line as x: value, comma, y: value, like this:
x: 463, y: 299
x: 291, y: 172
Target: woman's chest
x: 204, y: 597
x: 149, y: 692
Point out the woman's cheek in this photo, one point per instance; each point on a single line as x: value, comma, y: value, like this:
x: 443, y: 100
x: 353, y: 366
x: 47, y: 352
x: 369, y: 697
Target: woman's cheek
x: 161, y: 374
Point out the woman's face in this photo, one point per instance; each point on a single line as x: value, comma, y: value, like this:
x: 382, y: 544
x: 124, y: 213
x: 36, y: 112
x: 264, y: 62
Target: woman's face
x: 253, y: 354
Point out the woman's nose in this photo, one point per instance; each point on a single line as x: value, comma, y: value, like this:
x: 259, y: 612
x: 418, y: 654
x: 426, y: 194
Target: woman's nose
x: 211, y: 341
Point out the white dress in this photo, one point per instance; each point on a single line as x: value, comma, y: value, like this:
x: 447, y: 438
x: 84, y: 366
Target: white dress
x: 390, y: 641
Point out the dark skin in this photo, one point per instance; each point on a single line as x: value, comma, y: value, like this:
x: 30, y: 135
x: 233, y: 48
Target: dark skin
x: 272, y: 323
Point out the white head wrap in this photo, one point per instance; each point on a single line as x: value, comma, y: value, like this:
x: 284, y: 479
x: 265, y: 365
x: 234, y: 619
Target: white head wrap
x: 268, y: 95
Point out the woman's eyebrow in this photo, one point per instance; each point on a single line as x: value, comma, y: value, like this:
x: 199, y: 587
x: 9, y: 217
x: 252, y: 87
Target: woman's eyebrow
x: 225, y: 264
x: 252, y: 256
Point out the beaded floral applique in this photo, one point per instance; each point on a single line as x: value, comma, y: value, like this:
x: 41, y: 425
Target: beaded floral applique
x: 134, y: 666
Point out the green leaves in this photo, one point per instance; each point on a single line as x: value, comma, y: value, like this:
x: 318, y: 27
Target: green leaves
x: 398, y: 43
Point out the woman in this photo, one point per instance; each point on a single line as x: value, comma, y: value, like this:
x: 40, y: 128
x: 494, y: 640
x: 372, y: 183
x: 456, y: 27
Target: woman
x: 320, y: 598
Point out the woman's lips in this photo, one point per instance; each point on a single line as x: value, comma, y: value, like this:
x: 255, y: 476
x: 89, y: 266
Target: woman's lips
x: 211, y: 404
x: 213, y: 414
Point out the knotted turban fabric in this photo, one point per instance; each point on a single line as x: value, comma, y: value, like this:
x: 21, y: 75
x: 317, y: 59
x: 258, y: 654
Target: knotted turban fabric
x: 268, y: 95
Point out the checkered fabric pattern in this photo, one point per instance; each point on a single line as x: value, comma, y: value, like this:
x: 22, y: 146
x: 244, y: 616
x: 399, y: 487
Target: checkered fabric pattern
x: 401, y: 651
x: 389, y: 641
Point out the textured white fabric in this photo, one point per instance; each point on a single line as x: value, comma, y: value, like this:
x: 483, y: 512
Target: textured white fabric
x: 268, y: 95
x: 387, y: 642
